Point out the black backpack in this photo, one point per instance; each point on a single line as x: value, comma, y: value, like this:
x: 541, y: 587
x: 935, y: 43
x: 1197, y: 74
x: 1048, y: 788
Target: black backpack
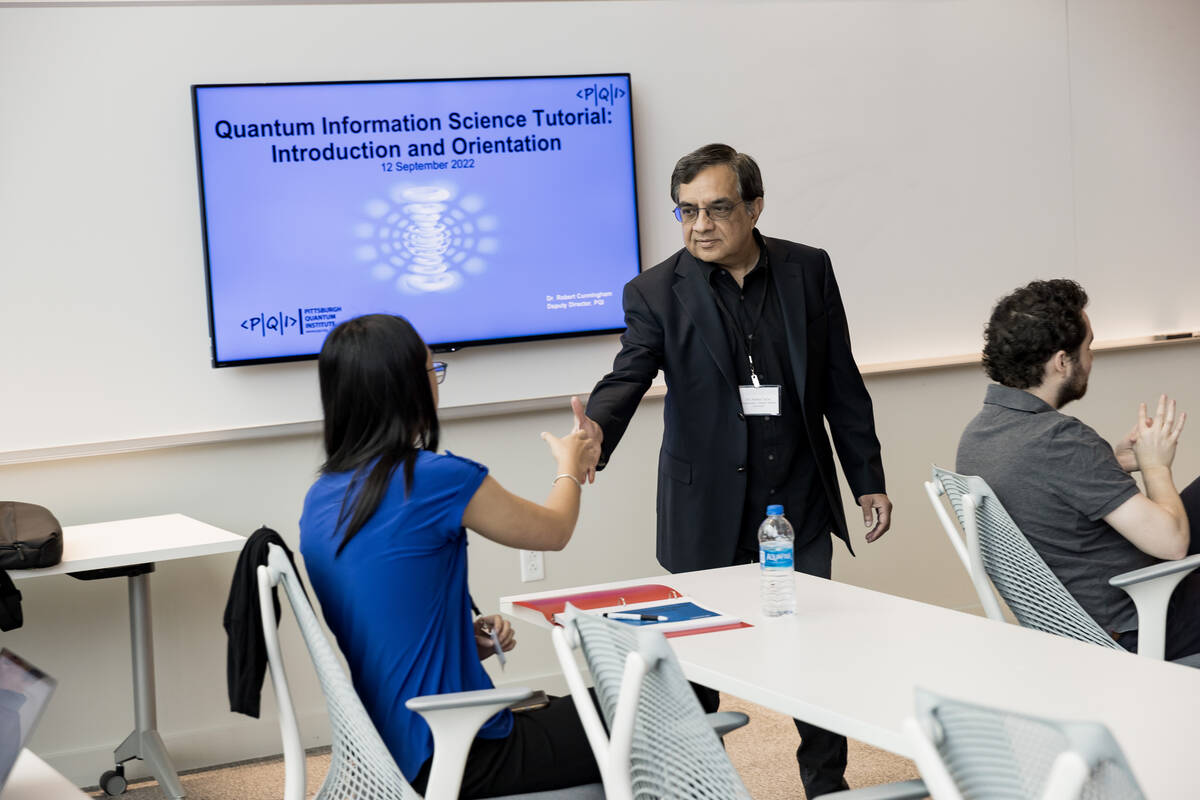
x: 30, y: 537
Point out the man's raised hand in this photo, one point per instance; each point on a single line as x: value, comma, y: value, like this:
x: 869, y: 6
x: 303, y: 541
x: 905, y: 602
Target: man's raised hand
x: 1158, y: 435
x: 590, y: 430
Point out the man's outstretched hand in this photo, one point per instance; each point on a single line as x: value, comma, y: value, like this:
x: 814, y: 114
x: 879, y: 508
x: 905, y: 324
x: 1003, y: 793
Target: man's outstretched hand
x: 591, y: 430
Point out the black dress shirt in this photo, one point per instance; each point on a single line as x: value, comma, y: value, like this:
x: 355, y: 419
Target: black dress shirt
x: 780, y: 463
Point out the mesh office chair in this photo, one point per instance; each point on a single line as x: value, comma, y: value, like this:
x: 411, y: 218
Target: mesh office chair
x: 361, y: 765
x: 996, y: 549
x: 661, y: 744
x: 971, y: 752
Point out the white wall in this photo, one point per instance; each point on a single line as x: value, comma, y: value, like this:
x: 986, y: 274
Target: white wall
x: 943, y: 152
x: 920, y: 143
x: 1135, y: 81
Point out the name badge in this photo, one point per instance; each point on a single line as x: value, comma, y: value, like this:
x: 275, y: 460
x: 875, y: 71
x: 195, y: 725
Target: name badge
x: 760, y: 401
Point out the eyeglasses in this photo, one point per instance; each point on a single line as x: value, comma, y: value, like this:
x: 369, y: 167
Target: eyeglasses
x: 439, y: 370
x: 690, y: 214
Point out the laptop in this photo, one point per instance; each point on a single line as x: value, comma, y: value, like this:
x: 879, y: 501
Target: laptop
x: 24, y: 692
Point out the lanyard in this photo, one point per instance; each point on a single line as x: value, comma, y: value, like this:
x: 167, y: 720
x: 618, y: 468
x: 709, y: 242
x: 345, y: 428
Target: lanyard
x: 748, y: 338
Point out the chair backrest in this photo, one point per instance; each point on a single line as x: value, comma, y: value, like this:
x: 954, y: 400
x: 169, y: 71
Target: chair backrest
x: 360, y: 764
x: 972, y: 752
x: 983, y: 587
x: 1035, y: 595
x: 661, y: 744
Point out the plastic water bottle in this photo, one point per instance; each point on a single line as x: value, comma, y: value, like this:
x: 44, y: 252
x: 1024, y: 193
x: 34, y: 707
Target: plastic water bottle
x: 775, y: 538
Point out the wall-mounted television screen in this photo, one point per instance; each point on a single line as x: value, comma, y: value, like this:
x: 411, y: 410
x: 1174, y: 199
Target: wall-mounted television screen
x: 484, y: 210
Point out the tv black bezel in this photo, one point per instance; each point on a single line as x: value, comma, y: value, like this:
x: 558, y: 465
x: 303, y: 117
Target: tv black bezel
x: 437, y: 347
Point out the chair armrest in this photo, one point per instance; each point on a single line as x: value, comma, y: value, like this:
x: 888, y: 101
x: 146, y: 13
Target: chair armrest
x: 1150, y: 588
x: 454, y: 719
x: 505, y: 696
x: 906, y: 790
x: 723, y: 722
x: 1184, y: 565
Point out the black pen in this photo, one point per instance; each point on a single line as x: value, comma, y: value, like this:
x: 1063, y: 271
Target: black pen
x: 635, y: 617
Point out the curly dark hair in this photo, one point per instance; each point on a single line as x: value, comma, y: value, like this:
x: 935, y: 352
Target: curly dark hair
x: 1029, y: 326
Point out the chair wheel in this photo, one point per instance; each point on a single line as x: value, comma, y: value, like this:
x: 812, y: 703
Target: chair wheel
x: 113, y: 782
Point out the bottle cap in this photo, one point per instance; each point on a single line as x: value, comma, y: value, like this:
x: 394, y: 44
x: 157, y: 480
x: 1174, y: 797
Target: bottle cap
x: 775, y: 511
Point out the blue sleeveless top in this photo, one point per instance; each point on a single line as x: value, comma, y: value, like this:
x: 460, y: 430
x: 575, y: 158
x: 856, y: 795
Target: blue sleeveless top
x: 396, y: 598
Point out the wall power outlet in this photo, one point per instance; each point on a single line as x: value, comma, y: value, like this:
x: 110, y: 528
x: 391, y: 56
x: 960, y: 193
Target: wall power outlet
x: 533, y: 566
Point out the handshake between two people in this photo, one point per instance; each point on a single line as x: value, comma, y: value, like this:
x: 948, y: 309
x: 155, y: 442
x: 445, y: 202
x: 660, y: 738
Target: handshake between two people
x: 577, y: 453
x: 1152, y: 442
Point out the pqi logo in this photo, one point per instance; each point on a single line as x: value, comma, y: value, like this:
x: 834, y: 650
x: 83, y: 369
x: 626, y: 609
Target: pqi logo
x: 601, y: 95
x: 273, y: 323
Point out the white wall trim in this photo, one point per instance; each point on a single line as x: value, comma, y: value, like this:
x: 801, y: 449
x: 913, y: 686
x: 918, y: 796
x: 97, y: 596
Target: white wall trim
x: 482, y: 410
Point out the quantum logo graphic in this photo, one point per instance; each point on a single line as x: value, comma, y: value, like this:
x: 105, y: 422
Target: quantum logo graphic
x: 425, y: 239
x: 601, y: 95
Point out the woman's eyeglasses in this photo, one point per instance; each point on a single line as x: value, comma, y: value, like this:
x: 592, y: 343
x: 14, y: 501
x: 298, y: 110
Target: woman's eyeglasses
x: 439, y: 370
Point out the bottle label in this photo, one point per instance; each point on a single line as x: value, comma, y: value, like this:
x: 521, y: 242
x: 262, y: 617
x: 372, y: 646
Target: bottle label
x: 775, y: 559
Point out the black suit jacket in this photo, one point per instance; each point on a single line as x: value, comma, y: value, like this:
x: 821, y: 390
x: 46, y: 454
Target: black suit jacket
x: 673, y: 324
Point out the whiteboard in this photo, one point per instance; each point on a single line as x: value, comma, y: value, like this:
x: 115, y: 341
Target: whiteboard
x: 931, y: 147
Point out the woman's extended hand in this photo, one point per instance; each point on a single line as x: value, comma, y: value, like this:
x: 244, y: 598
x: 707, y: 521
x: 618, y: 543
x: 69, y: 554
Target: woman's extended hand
x: 503, y: 517
x: 484, y: 626
x: 577, y: 453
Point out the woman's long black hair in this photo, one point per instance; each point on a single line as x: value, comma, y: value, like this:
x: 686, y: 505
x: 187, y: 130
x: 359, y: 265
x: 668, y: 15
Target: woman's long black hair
x: 379, y: 410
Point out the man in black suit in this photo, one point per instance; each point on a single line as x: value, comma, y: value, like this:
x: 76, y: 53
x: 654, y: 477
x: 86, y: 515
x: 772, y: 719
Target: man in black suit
x: 751, y: 336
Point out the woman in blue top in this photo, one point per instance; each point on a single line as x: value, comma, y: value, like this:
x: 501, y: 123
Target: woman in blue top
x: 384, y: 544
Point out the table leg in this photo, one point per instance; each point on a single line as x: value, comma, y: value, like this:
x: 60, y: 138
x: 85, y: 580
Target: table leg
x: 144, y: 742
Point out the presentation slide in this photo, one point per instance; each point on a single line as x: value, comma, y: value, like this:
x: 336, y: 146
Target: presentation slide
x: 483, y: 210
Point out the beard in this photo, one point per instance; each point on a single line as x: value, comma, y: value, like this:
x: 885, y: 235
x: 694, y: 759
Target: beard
x: 1074, y: 388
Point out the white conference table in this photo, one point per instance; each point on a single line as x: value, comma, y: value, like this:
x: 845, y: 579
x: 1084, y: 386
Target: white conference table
x: 126, y: 543
x: 34, y: 779
x: 850, y: 658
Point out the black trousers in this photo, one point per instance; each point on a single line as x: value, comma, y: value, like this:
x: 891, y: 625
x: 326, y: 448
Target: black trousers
x: 547, y: 749
x: 821, y: 755
x: 1183, y: 612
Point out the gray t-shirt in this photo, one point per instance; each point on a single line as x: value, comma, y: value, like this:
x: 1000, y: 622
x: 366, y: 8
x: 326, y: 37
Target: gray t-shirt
x: 1058, y: 479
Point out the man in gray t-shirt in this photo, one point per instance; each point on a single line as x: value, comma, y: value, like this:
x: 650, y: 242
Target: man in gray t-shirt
x: 1067, y: 489
x: 1058, y: 479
